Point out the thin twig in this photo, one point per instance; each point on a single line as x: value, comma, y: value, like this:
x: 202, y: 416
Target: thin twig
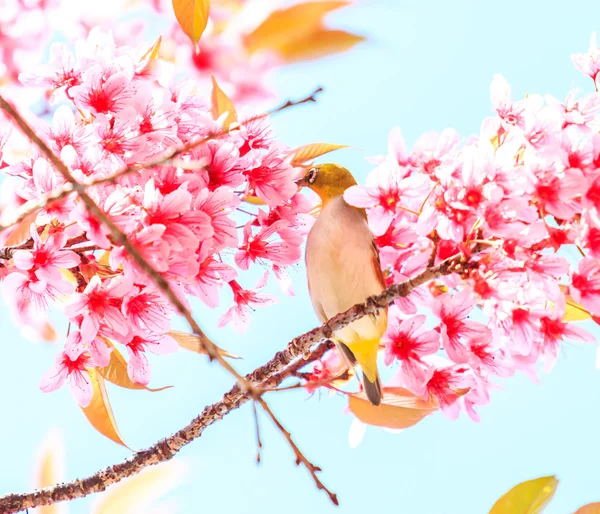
x: 285, y: 363
x: 257, y: 427
x: 31, y: 207
x: 300, y: 458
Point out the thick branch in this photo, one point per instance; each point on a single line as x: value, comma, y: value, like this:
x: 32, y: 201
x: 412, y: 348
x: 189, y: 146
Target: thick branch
x: 284, y: 364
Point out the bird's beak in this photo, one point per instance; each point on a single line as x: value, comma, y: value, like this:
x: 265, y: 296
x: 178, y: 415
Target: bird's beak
x: 302, y: 183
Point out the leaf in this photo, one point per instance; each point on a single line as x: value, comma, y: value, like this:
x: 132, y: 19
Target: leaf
x: 192, y: 16
x: 573, y: 310
x: 191, y: 342
x: 20, y: 233
x: 400, y: 408
x: 528, y: 497
x: 318, y: 44
x: 254, y: 200
x: 284, y: 26
x: 50, y: 467
x: 312, y: 151
x: 590, y: 508
x: 141, y: 492
x: 99, y: 412
x: 221, y: 104
x: 152, y: 52
x: 116, y: 371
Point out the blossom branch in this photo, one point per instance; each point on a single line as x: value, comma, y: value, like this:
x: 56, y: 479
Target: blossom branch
x: 284, y: 364
x: 121, y: 239
x: 33, y: 206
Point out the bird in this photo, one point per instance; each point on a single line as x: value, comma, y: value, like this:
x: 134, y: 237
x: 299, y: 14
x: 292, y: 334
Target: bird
x: 343, y: 269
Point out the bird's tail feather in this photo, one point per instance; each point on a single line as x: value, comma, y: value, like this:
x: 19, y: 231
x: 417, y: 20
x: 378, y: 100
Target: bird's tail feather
x: 373, y: 389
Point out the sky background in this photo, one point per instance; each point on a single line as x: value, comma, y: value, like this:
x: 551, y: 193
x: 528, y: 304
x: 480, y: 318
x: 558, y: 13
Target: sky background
x: 427, y: 66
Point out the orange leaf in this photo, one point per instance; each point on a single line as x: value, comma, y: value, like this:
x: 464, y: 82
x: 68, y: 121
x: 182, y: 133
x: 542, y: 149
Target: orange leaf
x: 116, y: 371
x: 312, y: 151
x: 400, y: 408
x: 319, y: 43
x: 590, y: 508
x: 192, y: 343
x: 528, y: 497
x: 20, y: 233
x: 49, y: 469
x: 573, y: 310
x: 285, y: 26
x: 254, y: 200
x: 140, y: 493
x: 99, y: 412
x: 221, y: 104
x: 192, y: 16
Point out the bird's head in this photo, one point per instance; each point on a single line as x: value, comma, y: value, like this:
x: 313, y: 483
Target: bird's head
x: 327, y: 180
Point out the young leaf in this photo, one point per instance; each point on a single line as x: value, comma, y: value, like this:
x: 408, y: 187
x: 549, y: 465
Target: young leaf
x: 192, y: 16
x: 318, y: 44
x: 99, y: 412
x: 222, y: 104
x: 284, y: 26
x: 20, y: 233
x: 528, y: 497
x: 590, y: 508
x: 400, y: 408
x: 152, y: 52
x: 116, y: 372
x: 191, y: 342
x: 312, y: 151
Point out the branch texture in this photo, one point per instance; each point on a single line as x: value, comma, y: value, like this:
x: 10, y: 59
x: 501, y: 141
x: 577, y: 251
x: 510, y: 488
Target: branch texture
x: 284, y: 364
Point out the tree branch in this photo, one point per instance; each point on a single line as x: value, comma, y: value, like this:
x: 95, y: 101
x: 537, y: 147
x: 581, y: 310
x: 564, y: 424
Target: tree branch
x: 284, y: 364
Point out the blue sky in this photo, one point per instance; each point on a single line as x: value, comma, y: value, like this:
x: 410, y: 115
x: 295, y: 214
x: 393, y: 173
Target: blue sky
x: 427, y: 66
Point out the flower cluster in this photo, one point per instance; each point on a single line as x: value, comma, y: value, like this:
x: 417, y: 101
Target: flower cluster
x: 120, y: 107
x: 521, y: 202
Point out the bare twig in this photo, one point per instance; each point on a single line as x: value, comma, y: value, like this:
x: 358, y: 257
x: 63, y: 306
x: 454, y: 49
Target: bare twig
x: 33, y: 206
x: 300, y: 458
x: 284, y: 364
x: 257, y: 427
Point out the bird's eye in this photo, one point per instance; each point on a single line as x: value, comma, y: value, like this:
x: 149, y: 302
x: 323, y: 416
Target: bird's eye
x: 312, y: 175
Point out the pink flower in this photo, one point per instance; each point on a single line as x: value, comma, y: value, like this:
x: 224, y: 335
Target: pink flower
x: 522, y: 328
x: 211, y: 276
x: 220, y: 164
x: 99, y: 303
x: 147, y: 310
x: 98, y: 350
x: 257, y: 247
x: 408, y: 341
x: 26, y: 289
x: 387, y: 192
x: 585, y: 285
x: 243, y: 302
x: 46, y: 257
x: 272, y: 178
x: 104, y: 90
x: 218, y: 204
x: 453, y: 311
x: 445, y: 386
x: 589, y: 63
x: 553, y: 330
x: 73, y: 368
x: 138, y: 367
